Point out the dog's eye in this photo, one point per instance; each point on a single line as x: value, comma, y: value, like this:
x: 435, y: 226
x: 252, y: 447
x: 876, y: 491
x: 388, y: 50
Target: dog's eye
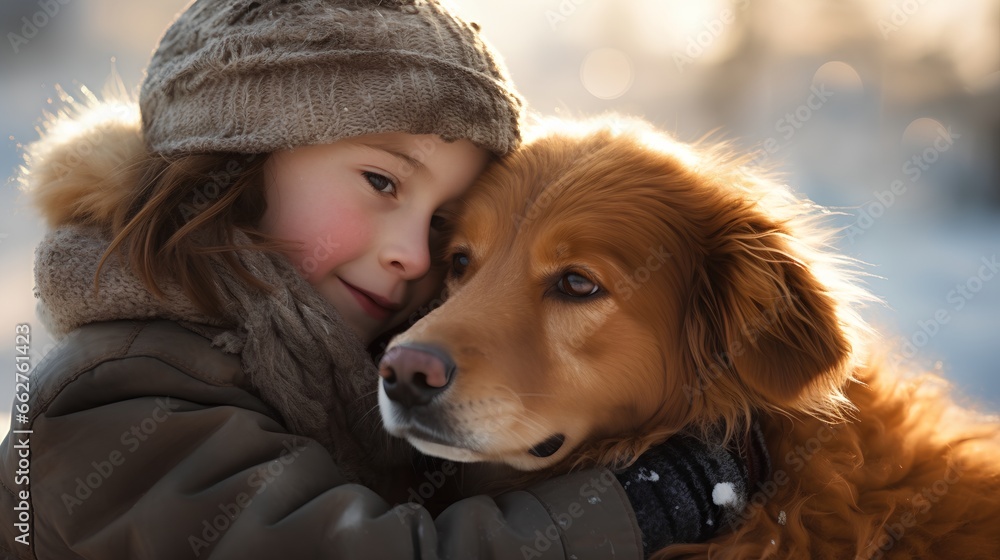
x: 575, y: 285
x: 459, y: 262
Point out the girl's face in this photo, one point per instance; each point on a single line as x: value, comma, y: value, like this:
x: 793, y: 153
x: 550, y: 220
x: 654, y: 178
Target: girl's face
x: 368, y: 213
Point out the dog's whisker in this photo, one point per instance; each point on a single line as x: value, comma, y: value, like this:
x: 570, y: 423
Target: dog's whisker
x: 366, y: 395
x: 370, y: 411
x: 518, y: 394
x: 506, y: 430
x: 523, y: 418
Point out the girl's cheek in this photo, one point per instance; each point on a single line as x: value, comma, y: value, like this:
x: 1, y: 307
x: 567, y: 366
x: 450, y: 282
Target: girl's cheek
x: 343, y: 239
x: 318, y: 255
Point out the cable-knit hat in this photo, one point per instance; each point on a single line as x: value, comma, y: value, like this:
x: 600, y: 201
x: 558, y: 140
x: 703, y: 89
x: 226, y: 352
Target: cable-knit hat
x: 258, y: 76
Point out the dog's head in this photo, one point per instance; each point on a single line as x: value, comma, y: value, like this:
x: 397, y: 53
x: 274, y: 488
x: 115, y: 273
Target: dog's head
x: 611, y: 286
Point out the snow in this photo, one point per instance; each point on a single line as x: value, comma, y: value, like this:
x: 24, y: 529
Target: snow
x: 723, y: 494
x: 652, y: 476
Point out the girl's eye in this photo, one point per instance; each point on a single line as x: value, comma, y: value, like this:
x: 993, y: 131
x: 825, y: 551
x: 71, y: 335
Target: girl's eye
x: 380, y: 183
x: 577, y: 286
x: 440, y: 236
x: 440, y: 223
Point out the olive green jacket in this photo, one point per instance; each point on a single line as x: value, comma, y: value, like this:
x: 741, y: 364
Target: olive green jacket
x: 144, y: 441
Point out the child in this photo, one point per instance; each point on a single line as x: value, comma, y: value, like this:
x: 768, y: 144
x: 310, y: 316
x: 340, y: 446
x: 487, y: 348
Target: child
x: 215, y: 274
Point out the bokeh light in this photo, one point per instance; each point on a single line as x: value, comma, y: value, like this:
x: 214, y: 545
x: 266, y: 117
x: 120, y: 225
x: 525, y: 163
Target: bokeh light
x: 606, y: 73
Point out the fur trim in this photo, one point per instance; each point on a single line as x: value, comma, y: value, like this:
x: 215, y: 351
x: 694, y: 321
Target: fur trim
x: 80, y: 170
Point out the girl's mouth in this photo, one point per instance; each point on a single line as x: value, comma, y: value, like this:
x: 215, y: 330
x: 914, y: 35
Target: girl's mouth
x: 377, y: 309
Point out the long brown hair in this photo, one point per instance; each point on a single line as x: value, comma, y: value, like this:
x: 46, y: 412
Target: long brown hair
x: 182, y: 218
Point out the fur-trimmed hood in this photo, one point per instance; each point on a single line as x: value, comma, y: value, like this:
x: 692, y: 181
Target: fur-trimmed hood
x: 78, y: 172
x: 81, y: 175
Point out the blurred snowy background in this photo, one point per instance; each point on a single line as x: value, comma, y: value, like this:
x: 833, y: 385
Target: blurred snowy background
x: 887, y: 111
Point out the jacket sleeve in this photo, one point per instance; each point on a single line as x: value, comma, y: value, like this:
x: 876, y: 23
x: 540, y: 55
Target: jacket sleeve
x: 194, y: 470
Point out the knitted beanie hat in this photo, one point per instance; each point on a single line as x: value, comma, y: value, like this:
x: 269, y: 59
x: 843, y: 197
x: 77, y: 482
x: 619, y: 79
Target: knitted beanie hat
x: 263, y: 75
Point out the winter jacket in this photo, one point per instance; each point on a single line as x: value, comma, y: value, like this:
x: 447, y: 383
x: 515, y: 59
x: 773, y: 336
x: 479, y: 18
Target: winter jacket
x: 145, y: 442
x: 150, y: 435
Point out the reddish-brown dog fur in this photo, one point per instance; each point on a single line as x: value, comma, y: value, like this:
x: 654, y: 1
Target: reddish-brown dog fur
x: 720, y: 298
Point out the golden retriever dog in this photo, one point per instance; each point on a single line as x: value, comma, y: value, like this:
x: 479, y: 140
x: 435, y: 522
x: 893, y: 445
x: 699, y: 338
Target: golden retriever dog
x: 610, y: 287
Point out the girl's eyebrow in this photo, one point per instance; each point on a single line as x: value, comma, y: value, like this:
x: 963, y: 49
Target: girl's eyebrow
x: 406, y: 160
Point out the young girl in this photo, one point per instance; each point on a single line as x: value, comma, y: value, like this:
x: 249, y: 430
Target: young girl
x: 215, y: 273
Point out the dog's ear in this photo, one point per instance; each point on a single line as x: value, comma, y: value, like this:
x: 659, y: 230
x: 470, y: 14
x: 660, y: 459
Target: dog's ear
x: 759, y: 318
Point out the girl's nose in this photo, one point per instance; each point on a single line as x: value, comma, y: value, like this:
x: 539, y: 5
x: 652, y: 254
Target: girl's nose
x: 405, y: 249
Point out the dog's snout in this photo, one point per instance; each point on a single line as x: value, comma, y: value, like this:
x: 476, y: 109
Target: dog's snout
x: 412, y: 375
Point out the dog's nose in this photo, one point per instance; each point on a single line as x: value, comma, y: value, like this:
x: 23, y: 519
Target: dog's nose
x: 413, y: 374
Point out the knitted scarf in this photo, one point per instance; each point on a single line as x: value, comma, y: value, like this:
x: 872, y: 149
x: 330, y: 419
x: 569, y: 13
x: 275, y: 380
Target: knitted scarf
x: 299, y: 355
